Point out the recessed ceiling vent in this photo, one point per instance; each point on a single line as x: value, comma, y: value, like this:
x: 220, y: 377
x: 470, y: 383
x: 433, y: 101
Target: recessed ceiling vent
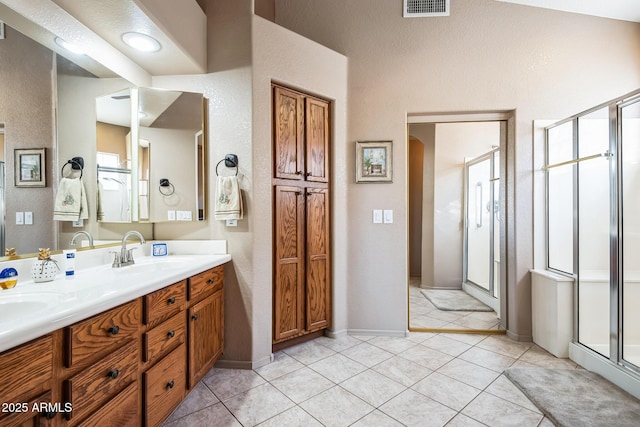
x: 425, y: 8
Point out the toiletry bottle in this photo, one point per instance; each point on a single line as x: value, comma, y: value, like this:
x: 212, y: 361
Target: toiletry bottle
x: 69, y: 263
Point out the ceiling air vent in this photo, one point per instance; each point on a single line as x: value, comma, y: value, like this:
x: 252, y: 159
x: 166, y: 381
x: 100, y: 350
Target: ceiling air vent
x: 424, y: 8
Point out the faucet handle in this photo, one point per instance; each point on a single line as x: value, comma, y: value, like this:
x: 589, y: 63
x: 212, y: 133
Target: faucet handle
x: 129, y: 255
x: 117, y: 262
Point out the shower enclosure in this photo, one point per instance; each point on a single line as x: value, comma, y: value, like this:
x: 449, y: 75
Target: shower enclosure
x: 481, y: 262
x: 593, y: 225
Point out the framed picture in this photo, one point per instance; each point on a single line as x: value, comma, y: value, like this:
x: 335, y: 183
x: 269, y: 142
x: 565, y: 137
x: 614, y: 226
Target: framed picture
x: 374, y: 161
x: 29, y: 167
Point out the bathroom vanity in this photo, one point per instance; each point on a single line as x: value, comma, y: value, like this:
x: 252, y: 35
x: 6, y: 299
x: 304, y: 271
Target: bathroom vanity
x: 119, y: 347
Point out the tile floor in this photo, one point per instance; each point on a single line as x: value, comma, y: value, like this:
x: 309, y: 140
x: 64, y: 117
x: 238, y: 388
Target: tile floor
x: 425, y: 379
x: 426, y: 315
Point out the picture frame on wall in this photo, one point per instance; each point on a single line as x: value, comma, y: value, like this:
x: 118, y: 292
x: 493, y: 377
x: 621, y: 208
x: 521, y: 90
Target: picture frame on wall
x: 29, y: 166
x: 374, y: 161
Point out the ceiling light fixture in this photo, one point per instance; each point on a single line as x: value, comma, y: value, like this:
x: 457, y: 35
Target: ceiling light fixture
x: 69, y: 46
x: 141, y: 42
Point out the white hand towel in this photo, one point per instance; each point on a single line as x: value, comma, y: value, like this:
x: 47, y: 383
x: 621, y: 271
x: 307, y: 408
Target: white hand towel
x: 228, y: 203
x: 71, y: 201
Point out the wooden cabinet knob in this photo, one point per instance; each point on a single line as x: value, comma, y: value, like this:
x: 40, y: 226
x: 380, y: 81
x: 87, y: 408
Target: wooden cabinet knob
x: 210, y: 281
x: 194, y: 317
x: 113, y: 374
x: 171, y: 300
x: 298, y: 172
x: 308, y: 173
x: 172, y: 334
x: 170, y: 384
x: 114, y: 330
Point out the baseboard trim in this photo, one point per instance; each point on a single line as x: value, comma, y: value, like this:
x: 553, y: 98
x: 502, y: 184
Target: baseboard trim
x: 377, y: 332
x: 518, y: 337
x: 336, y: 334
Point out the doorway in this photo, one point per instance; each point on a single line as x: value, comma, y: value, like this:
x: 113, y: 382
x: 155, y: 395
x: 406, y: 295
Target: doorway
x: 455, y: 243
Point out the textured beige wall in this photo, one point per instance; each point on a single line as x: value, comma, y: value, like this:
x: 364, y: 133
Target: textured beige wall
x: 486, y: 56
x: 26, y: 111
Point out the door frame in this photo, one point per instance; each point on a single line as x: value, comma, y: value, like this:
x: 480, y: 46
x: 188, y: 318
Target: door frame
x: 507, y: 203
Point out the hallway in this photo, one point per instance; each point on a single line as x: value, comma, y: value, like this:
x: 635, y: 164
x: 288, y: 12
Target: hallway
x: 425, y: 379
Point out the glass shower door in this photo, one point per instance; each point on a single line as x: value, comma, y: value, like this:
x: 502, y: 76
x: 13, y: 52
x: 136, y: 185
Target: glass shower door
x: 481, y: 214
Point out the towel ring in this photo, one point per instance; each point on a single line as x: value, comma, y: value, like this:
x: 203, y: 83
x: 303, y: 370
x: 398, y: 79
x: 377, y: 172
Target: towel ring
x: 164, y: 183
x: 75, y: 165
x: 230, y: 161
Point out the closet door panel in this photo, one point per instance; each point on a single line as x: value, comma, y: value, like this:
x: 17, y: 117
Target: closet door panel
x: 317, y: 140
x: 288, y: 128
x: 318, y: 288
x: 289, y: 256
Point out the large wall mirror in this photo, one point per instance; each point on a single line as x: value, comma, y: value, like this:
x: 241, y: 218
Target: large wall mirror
x: 160, y: 135
x: 150, y: 159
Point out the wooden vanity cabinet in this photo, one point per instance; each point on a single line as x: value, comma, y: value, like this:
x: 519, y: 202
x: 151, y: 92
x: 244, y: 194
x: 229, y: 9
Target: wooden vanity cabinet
x: 27, y: 378
x: 206, y: 322
x: 128, y: 366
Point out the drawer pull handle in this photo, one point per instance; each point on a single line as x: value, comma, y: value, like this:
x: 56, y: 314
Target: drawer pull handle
x: 170, y: 384
x: 49, y: 414
x: 171, y: 300
x: 171, y: 334
x: 194, y: 317
x: 113, y: 374
x: 210, y: 281
x: 114, y: 330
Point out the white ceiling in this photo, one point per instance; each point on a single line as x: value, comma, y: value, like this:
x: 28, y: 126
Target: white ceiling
x: 626, y: 10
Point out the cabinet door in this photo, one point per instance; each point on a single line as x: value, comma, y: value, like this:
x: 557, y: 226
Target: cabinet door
x: 289, y: 262
x: 288, y: 129
x: 317, y: 140
x: 206, y: 335
x: 318, y: 289
x: 39, y: 412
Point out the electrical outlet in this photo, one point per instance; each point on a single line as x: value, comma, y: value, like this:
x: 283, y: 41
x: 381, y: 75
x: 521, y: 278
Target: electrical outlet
x: 78, y: 223
x: 184, y: 215
x: 232, y: 223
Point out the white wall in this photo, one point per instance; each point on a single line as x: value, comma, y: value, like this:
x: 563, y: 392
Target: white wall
x: 486, y: 56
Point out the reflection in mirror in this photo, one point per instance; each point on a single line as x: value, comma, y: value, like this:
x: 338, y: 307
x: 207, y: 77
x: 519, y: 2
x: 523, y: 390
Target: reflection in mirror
x: 172, y: 140
x: 114, y: 157
x: 2, y: 182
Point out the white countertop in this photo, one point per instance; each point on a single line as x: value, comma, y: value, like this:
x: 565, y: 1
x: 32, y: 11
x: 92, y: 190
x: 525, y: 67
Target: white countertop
x: 31, y: 310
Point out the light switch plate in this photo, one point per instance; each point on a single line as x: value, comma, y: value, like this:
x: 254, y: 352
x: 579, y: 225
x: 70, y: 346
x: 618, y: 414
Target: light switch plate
x: 19, y: 218
x: 171, y: 215
x: 388, y: 216
x: 377, y: 216
x: 28, y: 218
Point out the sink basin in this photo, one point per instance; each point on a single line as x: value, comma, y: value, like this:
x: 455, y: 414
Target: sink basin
x: 16, y: 306
x: 149, y: 265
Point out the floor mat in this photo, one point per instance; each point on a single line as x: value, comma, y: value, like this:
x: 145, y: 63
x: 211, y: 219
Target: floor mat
x: 454, y: 300
x: 576, y: 397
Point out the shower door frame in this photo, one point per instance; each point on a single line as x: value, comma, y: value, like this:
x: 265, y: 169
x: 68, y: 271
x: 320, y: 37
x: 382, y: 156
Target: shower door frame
x: 490, y: 293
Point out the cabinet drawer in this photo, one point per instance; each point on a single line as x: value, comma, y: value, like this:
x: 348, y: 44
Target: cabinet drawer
x: 164, y: 337
x: 26, y: 368
x: 98, y: 383
x: 165, y: 302
x: 101, y: 333
x: 39, y: 412
x: 121, y: 411
x: 206, y: 283
x: 165, y: 386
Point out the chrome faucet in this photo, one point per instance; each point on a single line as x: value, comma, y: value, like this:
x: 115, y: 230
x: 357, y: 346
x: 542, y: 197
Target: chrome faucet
x: 126, y: 256
x: 81, y: 233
